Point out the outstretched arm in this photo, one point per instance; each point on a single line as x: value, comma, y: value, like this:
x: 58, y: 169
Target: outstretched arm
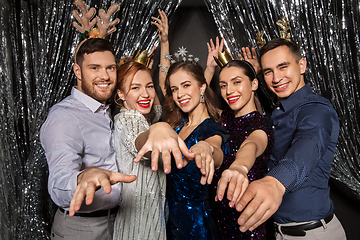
x: 235, y: 179
x: 163, y: 26
x: 210, y: 63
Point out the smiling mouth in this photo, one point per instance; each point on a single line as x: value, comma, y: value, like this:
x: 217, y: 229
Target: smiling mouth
x: 233, y: 99
x: 103, y: 85
x: 144, y: 103
x: 281, y: 87
x: 184, y: 102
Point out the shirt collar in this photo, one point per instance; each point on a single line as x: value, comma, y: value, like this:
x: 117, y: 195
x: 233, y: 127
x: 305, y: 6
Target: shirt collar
x: 88, y: 101
x: 295, y: 98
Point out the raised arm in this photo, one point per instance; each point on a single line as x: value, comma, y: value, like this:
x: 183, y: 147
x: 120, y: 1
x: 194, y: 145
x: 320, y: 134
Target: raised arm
x: 235, y: 177
x: 251, y: 57
x: 163, y: 26
x: 210, y: 63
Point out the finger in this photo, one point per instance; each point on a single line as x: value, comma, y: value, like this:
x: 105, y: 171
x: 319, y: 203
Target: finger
x: 151, y: 64
x: 248, y: 53
x: 117, y: 177
x: 157, y: 25
x: 217, y: 41
x: 212, y: 44
x: 245, y: 199
x: 253, y: 51
x: 259, y: 215
x: 221, y: 187
x: 198, y: 161
x: 90, y: 192
x: 142, y: 152
x: 208, y: 46
x: 221, y: 47
x: 184, y: 149
x: 76, y: 200
x: 231, y: 189
x: 211, y: 172
x: 166, y: 157
x: 155, y: 159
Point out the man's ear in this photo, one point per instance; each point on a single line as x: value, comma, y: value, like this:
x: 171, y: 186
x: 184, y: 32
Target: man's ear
x: 77, y: 71
x: 302, y: 64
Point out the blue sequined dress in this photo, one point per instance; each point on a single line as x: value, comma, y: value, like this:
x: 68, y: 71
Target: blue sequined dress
x: 188, y: 200
x: 239, y: 128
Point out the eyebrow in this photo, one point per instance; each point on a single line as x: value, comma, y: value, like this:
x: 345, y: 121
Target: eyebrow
x: 279, y: 65
x: 186, y: 81
x: 232, y: 79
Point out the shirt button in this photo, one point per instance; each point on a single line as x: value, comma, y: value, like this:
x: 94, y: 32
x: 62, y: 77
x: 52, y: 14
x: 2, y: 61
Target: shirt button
x: 273, y: 126
x: 277, y: 108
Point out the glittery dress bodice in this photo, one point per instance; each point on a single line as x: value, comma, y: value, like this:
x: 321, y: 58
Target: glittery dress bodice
x: 189, y: 216
x: 239, y: 128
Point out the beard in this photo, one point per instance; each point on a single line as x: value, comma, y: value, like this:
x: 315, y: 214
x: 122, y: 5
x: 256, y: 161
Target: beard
x: 90, y: 89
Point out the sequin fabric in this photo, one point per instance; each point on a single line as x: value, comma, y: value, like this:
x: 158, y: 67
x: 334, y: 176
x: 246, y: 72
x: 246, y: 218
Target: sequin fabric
x: 239, y: 128
x: 189, y: 216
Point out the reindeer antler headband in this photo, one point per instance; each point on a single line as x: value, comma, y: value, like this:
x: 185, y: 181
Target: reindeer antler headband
x: 86, y: 22
x: 283, y: 24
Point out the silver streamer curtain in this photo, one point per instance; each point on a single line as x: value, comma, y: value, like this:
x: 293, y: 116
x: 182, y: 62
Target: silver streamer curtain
x: 37, y: 46
x: 36, y: 55
x: 328, y: 32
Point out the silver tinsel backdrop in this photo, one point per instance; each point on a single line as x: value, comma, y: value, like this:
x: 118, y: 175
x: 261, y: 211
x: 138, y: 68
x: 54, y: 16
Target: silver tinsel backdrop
x: 36, y: 55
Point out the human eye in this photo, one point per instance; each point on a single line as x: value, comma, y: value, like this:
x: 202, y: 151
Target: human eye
x: 173, y: 89
x: 112, y: 68
x: 267, y: 72
x: 134, y: 88
x: 237, y: 82
x: 222, y: 86
x: 150, y: 86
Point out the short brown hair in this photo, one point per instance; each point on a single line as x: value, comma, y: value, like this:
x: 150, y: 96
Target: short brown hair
x: 92, y: 45
x: 278, y: 42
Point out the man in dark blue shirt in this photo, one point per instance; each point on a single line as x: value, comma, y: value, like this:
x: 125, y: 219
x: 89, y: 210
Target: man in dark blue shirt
x: 306, y: 129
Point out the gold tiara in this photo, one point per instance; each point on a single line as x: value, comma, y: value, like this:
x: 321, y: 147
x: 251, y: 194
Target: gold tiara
x: 223, y: 59
x: 283, y: 24
x: 142, y: 57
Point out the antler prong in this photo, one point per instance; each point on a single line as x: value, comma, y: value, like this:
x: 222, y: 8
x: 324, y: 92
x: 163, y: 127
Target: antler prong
x: 86, y: 19
x: 105, y: 26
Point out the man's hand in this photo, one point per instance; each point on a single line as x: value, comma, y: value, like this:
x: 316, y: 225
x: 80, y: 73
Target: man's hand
x: 262, y: 198
x: 90, y: 180
x: 163, y: 139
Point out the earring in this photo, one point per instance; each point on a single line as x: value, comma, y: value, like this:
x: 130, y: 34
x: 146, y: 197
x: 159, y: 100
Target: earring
x: 202, y: 98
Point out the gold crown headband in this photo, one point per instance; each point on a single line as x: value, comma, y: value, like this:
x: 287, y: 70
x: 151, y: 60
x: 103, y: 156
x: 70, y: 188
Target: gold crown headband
x: 87, y: 21
x: 283, y: 24
x: 224, y: 58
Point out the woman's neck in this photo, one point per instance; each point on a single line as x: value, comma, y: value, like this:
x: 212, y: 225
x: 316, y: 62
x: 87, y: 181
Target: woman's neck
x: 199, y: 114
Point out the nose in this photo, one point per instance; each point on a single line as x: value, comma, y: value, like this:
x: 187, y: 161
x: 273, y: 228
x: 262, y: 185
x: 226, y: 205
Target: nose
x: 179, y: 93
x: 229, y: 89
x: 145, y: 93
x: 104, y: 74
x: 277, y: 76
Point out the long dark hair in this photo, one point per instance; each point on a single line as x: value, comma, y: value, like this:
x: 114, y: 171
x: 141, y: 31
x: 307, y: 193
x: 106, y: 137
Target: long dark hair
x: 174, y: 115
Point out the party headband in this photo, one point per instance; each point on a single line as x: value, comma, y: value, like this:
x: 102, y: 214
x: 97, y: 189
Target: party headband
x: 87, y: 21
x: 283, y: 24
x: 224, y: 58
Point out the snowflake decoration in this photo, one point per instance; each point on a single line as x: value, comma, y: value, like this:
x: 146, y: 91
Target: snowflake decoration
x: 167, y: 56
x: 182, y: 51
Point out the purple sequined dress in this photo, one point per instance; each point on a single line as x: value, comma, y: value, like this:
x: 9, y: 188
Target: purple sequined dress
x: 239, y: 129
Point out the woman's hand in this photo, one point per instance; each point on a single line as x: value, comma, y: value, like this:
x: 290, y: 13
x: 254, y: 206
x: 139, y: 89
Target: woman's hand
x: 235, y: 180
x: 251, y: 57
x: 163, y: 26
x: 204, y: 160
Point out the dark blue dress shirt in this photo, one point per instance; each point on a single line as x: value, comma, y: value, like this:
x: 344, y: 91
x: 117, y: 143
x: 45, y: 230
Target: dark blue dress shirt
x: 306, y: 129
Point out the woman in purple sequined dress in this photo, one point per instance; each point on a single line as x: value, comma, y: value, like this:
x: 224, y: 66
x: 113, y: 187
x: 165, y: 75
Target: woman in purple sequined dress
x: 248, y: 150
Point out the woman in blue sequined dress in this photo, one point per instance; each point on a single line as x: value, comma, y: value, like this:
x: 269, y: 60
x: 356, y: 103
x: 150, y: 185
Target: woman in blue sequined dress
x: 248, y: 150
x: 190, y: 110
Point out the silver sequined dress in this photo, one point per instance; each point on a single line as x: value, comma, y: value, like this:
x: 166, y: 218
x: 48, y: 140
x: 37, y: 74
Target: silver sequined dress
x: 141, y: 213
